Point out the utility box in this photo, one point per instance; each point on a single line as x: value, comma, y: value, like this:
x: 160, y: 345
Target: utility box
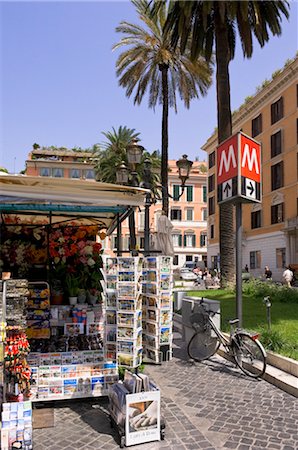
x: 191, y: 305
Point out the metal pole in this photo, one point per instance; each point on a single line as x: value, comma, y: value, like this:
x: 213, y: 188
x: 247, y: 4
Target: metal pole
x: 119, y: 236
x: 239, y: 262
x: 147, y: 226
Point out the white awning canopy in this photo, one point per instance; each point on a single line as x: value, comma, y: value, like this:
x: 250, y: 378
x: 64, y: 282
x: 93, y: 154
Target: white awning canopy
x: 40, y: 200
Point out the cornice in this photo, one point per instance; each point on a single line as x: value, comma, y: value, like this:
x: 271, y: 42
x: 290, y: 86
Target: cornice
x: 273, y: 90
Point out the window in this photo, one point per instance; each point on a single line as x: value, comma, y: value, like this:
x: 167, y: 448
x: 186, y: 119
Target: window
x: 177, y: 240
x: 204, y: 213
x: 211, y: 205
x: 189, y: 240
x: 204, y: 194
x: 75, y: 173
x: 58, y: 173
x: 277, y: 110
x: 256, y: 125
x: 45, y: 172
x: 203, y: 239
x: 280, y: 257
x: 211, y: 158
x: 214, y: 262
x: 256, y: 219
x: 189, y: 214
x: 175, y: 260
x: 211, y: 183
x: 277, y: 176
x: 176, y: 192
x: 277, y: 213
x: 276, y: 147
x: 141, y: 221
x: 142, y: 242
x: 255, y: 259
x: 211, y: 231
x: 114, y: 241
x: 175, y: 214
x: 89, y: 174
x: 189, y: 193
x: 188, y: 258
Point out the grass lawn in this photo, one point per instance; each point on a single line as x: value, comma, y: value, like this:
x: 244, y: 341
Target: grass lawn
x: 284, y: 318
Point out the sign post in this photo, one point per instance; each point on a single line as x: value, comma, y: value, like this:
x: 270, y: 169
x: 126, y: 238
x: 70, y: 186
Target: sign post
x: 239, y: 181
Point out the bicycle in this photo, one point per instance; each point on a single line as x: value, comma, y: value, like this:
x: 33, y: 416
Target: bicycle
x: 244, y: 347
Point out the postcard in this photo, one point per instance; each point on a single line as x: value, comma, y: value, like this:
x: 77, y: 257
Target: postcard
x: 110, y: 266
x: 56, y: 358
x: 111, y: 298
x: 152, y: 328
x: 125, y: 319
x: 150, y: 288
x: 165, y: 335
x: 98, y: 356
x: 88, y: 356
x: 73, y: 329
x: 127, y: 291
x: 165, y: 300
x: 111, y: 334
x: 55, y: 371
x: 44, y: 359
x: 151, y: 263
x: 70, y: 387
x: 150, y: 341
x: 152, y: 354
x: 42, y: 392
x: 165, y: 264
x: 128, y: 277
x: 84, y: 371
x: 165, y: 317
x: 56, y: 390
x: 165, y: 282
x: 126, y: 347
x: 126, y: 263
x: 111, y: 282
x: 125, y: 360
x: 126, y: 305
x: 67, y: 358
x: 94, y: 328
x: 125, y: 333
x: 69, y: 371
x: 111, y: 317
x: 152, y: 314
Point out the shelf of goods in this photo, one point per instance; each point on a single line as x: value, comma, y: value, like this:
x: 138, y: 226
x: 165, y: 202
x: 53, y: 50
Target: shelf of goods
x: 134, y: 409
x: 157, y: 308
x: 124, y: 310
x: 67, y: 356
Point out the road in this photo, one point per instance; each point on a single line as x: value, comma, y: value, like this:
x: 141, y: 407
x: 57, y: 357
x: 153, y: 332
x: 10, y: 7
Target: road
x: 208, y: 405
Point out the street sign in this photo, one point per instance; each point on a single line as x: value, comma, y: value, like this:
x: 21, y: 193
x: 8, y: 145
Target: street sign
x: 239, y: 169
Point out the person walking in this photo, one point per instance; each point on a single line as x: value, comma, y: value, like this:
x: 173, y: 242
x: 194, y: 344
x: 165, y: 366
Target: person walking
x: 246, y: 268
x: 268, y: 273
x: 287, y: 276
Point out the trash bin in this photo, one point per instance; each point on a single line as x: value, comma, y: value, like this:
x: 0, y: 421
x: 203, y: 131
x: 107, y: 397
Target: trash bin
x: 189, y: 306
x: 178, y: 296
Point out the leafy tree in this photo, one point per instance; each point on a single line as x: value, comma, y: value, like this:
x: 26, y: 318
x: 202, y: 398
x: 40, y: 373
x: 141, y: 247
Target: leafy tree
x: 207, y: 24
x: 152, y: 65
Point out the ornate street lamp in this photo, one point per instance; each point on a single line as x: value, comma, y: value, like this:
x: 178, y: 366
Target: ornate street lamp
x: 184, y: 167
x: 122, y: 173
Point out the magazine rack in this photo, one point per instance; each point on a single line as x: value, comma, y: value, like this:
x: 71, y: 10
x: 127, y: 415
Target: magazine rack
x: 136, y: 416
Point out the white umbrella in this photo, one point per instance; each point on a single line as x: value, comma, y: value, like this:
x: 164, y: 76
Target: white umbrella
x: 164, y: 235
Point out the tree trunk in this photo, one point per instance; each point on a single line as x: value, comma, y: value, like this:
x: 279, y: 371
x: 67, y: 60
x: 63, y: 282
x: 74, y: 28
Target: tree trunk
x: 165, y: 139
x: 224, y: 118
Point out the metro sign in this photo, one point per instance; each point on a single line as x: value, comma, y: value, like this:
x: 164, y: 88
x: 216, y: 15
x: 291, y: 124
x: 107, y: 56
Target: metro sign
x: 239, y: 169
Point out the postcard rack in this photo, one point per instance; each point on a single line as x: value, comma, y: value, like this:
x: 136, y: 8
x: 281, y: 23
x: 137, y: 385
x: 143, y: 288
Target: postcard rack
x: 136, y: 415
x: 124, y: 310
x: 157, y: 308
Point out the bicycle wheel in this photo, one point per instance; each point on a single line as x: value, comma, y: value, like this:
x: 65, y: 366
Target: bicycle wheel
x: 249, y: 355
x: 202, y: 346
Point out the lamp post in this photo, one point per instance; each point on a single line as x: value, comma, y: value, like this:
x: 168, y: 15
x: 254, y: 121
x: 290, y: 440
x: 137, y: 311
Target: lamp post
x: 184, y: 168
x: 134, y: 153
x: 147, y: 185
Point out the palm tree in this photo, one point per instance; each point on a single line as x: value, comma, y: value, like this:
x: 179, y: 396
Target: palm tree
x: 203, y: 25
x: 113, y: 153
x: 151, y: 64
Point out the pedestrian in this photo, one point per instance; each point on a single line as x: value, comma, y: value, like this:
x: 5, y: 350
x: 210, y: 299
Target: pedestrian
x: 287, y: 276
x: 246, y: 268
x: 268, y: 273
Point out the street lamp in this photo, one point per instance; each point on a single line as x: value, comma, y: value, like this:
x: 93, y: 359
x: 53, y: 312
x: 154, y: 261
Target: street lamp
x: 134, y: 153
x: 184, y: 167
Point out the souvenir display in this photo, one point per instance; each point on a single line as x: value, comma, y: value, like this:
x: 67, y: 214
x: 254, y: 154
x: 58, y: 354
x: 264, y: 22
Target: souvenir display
x: 157, y: 308
x: 38, y: 311
x: 16, y: 426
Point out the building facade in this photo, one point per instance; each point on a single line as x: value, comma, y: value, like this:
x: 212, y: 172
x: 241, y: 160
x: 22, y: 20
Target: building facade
x: 188, y: 215
x: 270, y: 229
x: 60, y: 163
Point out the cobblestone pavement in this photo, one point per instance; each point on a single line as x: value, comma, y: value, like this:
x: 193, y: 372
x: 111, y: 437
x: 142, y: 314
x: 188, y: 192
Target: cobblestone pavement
x: 208, y: 405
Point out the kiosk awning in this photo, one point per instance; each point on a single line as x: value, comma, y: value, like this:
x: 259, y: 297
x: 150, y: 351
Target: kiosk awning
x: 38, y: 199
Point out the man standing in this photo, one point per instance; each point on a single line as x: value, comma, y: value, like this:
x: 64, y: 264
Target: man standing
x: 287, y: 276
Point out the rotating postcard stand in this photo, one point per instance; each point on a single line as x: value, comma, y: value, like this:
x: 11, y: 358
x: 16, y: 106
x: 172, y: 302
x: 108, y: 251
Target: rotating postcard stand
x: 157, y: 309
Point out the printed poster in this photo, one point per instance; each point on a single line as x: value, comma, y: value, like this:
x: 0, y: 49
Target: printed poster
x: 142, y: 417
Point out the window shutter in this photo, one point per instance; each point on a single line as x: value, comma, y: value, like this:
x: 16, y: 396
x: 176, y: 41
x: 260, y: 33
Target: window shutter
x: 179, y: 214
x: 176, y: 192
x: 184, y: 240
x: 172, y: 214
x: 194, y: 240
x: 180, y: 240
x: 204, y: 194
x: 189, y: 194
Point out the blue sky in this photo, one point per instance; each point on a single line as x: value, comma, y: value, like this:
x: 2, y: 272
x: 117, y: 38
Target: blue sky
x: 59, y: 87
